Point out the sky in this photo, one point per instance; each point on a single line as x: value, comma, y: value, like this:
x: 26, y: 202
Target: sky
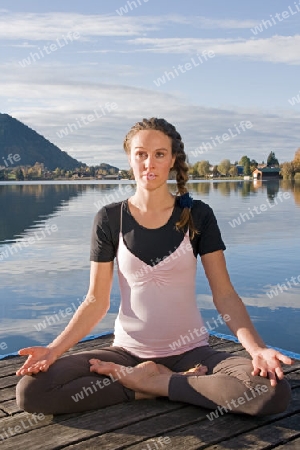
x: 226, y: 74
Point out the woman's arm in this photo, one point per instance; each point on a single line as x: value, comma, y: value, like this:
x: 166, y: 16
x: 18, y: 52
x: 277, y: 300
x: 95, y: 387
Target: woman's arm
x: 89, y: 313
x: 266, y: 362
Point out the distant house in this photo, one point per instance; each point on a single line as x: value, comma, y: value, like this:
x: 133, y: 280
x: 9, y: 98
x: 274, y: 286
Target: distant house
x: 240, y: 169
x: 264, y: 173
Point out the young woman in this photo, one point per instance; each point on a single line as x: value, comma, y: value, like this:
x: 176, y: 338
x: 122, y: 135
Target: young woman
x: 155, y: 237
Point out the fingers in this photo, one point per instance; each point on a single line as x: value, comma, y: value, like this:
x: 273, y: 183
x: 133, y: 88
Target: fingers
x: 279, y: 373
x: 30, y: 368
x: 285, y: 359
x: 255, y: 372
x: 273, y: 374
x: 26, y: 351
x: 266, y: 374
x: 272, y: 378
x: 267, y: 364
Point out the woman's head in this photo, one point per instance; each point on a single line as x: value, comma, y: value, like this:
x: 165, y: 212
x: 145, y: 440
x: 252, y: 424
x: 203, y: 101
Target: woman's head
x: 179, y: 163
x: 177, y: 146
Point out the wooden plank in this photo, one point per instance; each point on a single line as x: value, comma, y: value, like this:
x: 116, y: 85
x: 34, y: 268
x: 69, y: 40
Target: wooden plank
x: 10, y: 380
x: 64, y: 432
x: 10, y: 370
x: 7, y: 394
x: 200, y: 435
x: 144, y: 429
x: 25, y: 420
x: 293, y: 378
x: 10, y: 407
x: 228, y: 346
x: 264, y: 437
x: 291, y: 445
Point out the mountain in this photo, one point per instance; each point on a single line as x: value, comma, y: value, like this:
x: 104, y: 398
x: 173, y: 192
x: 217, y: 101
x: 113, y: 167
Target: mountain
x: 29, y: 147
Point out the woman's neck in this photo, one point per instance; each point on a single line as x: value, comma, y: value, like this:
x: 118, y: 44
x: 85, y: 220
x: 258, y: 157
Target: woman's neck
x: 157, y: 200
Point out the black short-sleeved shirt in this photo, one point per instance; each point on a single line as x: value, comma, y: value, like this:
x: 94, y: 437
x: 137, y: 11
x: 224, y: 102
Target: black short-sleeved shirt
x: 152, y: 245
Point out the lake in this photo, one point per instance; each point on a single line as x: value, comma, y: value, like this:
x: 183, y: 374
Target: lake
x: 45, y: 230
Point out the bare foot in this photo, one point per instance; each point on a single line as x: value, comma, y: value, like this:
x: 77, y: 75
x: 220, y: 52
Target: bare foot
x: 134, y: 378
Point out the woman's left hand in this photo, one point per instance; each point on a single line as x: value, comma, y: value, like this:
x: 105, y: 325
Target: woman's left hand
x: 267, y: 363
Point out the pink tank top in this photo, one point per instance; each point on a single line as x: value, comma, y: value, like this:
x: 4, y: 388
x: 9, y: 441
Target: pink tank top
x: 158, y: 314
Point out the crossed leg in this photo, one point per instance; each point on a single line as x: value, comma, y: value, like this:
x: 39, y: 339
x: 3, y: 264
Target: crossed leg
x: 147, y: 379
x: 228, y: 385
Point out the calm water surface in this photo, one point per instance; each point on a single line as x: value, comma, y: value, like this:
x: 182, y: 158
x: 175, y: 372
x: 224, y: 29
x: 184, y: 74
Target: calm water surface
x: 44, y: 256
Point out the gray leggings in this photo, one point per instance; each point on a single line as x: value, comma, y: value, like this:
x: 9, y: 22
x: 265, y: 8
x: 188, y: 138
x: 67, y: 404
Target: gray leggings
x: 68, y: 386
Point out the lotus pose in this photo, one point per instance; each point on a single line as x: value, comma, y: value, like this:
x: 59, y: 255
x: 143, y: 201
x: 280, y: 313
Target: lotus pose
x: 160, y: 343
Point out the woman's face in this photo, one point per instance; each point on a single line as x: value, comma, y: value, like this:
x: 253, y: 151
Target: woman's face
x: 151, y: 158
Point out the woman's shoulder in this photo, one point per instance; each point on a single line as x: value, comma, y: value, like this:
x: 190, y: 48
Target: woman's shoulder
x: 200, y: 207
x: 109, y: 210
x: 109, y: 215
x: 202, y: 214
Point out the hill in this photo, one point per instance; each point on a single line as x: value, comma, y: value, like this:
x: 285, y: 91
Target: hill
x: 16, y: 138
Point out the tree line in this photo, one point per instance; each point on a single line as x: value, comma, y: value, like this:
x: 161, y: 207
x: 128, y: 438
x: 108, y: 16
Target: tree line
x: 39, y: 172
x: 245, y: 166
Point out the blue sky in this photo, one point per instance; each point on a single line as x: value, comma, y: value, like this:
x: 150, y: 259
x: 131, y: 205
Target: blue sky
x: 93, y: 70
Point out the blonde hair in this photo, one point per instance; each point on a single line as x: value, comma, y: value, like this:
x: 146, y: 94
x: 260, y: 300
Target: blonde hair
x: 180, y: 166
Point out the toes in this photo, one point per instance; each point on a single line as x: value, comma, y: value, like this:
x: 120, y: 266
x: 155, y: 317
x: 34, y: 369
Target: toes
x: 197, y: 370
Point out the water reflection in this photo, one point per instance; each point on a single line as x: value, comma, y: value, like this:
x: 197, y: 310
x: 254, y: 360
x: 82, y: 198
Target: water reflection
x: 247, y: 188
x: 25, y: 206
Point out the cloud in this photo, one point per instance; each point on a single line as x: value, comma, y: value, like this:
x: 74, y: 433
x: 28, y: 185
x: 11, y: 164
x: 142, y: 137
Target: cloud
x: 230, y: 24
x: 276, y: 49
x: 50, y: 26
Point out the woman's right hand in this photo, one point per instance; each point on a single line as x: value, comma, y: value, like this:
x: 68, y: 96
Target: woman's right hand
x: 39, y: 360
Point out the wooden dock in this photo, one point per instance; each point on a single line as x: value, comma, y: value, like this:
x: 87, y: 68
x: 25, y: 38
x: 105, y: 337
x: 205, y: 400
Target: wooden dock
x: 145, y: 424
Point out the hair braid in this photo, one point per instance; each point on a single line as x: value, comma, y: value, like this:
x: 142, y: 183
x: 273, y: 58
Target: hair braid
x: 180, y: 166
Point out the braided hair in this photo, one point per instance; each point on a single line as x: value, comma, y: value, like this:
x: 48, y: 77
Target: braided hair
x: 180, y: 166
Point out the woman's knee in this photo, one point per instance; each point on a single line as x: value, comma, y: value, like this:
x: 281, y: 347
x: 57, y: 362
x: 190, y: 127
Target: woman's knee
x: 29, y: 394
x: 275, y: 401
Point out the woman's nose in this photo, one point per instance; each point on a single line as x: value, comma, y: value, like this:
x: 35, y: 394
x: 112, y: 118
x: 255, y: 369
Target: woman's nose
x: 150, y: 161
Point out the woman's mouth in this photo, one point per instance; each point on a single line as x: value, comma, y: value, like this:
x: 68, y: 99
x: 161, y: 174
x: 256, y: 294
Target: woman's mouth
x: 150, y: 176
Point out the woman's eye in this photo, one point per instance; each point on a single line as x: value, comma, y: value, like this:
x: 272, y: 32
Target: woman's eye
x: 160, y: 154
